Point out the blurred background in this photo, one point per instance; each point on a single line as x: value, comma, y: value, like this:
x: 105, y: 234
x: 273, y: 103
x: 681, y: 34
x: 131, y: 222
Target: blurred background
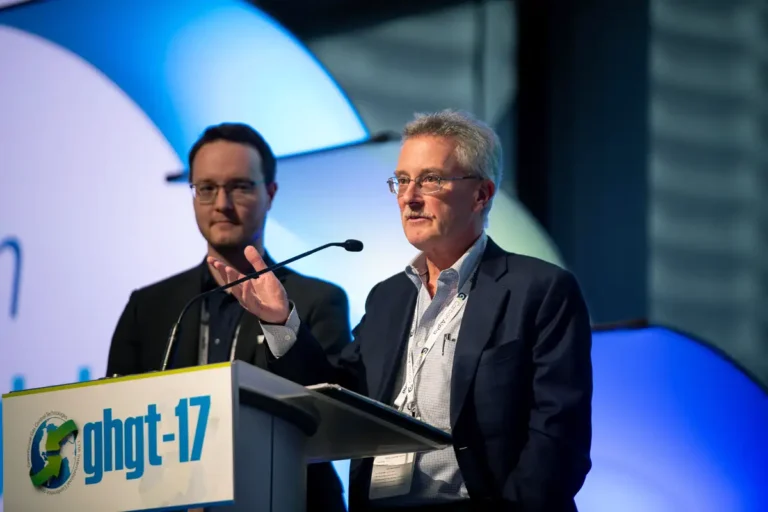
x: 634, y: 137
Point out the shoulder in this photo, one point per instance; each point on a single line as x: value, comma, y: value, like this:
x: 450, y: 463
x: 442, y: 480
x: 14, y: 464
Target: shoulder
x: 535, y: 278
x: 390, y: 289
x: 394, y: 283
x: 311, y: 289
x: 168, y: 286
x: 534, y: 269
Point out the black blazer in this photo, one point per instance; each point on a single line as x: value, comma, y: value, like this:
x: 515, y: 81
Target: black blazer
x: 138, y: 344
x: 521, y: 387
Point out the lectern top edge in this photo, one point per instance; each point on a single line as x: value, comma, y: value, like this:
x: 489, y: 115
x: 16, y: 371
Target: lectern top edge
x: 112, y: 380
x: 294, y: 414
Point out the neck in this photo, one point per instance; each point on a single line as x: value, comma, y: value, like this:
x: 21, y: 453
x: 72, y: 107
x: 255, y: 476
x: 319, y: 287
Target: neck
x: 441, y: 258
x: 235, y: 258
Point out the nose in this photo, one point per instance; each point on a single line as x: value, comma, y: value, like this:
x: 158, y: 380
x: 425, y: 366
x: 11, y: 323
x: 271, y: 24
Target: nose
x: 222, y: 201
x: 410, y: 193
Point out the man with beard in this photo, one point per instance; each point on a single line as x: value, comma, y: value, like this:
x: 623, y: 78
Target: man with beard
x: 232, y: 177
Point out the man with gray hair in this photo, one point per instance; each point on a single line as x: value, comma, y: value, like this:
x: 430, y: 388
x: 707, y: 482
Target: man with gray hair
x: 491, y: 346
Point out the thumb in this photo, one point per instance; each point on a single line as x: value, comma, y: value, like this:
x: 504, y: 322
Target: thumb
x: 254, y: 258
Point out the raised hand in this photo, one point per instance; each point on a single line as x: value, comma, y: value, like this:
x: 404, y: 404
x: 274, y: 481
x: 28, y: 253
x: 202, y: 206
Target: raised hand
x: 264, y: 297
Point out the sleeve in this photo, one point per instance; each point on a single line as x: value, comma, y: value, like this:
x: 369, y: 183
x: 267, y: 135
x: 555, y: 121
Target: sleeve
x: 124, y: 354
x: 328, y: 320
x: 306, y: 361
x: 555, y: 460
x: 280, y: 338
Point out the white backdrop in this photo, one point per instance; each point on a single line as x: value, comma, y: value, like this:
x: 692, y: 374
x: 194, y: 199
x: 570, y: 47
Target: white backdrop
x: 82, y: 168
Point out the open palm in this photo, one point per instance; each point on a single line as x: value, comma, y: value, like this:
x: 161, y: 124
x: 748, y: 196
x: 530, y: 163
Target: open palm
x: 264, y: 297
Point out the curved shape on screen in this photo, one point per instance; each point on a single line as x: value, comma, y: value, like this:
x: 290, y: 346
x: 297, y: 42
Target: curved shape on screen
x: 677, y: 426
x: 11, y: 244
x: 92, y: 82
x: 168, y: 55
x: 515, y: 229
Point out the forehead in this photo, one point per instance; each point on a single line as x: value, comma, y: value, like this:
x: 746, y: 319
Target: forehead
x: 427, y: 153
x: 223, y: 159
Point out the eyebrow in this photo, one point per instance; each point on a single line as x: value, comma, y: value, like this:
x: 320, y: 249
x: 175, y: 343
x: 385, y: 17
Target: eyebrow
x: 424, y: 171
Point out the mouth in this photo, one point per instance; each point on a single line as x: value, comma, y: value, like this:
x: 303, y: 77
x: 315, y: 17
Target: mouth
x: 223, y: 223
x: 417, y: 219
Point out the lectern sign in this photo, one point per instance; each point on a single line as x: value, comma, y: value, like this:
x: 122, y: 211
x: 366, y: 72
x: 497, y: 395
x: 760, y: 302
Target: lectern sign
x: 133, y: 443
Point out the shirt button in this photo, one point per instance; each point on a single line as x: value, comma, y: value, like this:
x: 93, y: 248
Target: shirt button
x: 217, y: 341
x: 287, y: 337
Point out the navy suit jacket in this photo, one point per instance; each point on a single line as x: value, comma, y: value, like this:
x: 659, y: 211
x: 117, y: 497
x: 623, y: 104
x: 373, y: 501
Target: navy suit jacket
x: 521, y: 386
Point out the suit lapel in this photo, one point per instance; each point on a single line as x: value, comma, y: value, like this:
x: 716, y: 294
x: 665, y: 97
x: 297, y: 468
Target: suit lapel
x: 394, y: 337
x: 484, y: 306
x: 189, y: 330
x: 248, y: 340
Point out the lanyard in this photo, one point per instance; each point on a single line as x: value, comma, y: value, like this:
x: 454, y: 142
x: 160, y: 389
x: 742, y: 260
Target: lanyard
x: 202, y: 353
x: 412, y: 368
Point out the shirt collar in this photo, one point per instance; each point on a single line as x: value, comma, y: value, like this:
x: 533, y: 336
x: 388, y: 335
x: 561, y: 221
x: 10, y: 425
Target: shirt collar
x: 464, y: 266
x: 209, y: 283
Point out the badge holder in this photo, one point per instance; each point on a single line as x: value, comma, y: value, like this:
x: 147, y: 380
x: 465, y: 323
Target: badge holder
x: 392, y: 475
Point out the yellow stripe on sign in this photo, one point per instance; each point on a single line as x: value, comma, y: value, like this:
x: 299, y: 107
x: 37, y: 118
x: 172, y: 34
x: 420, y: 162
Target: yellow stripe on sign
x: 100, y: 382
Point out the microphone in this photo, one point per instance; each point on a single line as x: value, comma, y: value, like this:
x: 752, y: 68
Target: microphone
x: 349, y: 245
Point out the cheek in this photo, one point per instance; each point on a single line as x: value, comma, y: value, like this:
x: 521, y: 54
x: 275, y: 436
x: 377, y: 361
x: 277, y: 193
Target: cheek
x: 250, y: 215
x: 450, y: 213
x: 440, y: 210
x: 201, y: 215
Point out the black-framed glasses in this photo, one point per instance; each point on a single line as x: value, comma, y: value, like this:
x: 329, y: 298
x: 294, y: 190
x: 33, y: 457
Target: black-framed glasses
x: 427, y: 183
x: 239, y: 191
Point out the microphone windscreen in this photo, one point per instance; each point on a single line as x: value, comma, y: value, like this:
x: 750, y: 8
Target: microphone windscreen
x: 353, y: 245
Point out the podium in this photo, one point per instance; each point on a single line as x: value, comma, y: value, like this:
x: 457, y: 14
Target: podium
x: 228, y: 437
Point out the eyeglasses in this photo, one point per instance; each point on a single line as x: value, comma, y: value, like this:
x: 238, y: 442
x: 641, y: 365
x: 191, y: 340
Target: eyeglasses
x: 427, y: 184
x: 240, y: 191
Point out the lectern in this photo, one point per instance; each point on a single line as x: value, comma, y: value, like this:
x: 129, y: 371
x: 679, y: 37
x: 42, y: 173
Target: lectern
x: 225, y: 436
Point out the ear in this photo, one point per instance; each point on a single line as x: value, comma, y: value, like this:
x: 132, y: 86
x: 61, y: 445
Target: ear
x: 484, y: 194
x: 271, y: 191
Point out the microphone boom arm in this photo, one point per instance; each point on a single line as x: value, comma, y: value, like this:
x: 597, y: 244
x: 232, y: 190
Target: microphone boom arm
x: 349, y: 245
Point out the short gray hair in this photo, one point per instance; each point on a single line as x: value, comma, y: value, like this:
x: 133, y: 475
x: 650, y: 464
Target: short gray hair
x: 478, y: 147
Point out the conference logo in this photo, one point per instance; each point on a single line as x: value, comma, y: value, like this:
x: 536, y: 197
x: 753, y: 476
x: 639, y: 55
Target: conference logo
x: 53, y: 453
x: 131, y: 444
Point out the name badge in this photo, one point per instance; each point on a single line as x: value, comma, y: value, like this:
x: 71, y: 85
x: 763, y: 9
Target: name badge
x: 392, y: 476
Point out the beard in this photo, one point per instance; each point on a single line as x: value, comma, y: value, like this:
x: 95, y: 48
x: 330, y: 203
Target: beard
x: 232, y: 245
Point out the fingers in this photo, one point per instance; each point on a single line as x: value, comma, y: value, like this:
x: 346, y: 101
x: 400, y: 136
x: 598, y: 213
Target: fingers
x: 227, y: 273
x: 241, y: 291
x: 232, y: 274
x: 254, y: 258
x: 219, y: 267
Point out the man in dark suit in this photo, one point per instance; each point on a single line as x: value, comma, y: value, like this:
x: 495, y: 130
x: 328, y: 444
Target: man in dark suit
x: 232, y: 175
x: 489, y: 345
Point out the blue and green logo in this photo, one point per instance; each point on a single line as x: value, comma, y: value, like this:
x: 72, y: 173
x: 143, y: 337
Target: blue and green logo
x: 54, y: 452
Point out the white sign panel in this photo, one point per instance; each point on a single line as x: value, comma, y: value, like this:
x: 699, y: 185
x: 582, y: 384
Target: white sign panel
x: 134, y: 443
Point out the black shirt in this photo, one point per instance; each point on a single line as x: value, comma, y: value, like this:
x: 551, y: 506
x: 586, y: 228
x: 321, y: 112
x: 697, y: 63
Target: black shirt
x: 224, y: 314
